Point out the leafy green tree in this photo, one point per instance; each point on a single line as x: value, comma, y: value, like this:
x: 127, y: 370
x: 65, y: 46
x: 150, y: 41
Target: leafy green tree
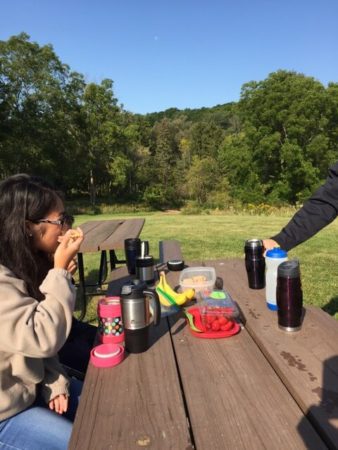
x: 284, y: 118
x: 206, y: 138
x: 165, y: 151
x: 103, y: 139
x: 39, y: 96
x: 201, y: 178
x: 237, y: 166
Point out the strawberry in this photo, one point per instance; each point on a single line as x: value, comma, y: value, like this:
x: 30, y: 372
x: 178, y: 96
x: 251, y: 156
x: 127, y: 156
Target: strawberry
x: 210, y: 318
x: 215, y: 325
x: 223, y: 320
x: 227, y: 326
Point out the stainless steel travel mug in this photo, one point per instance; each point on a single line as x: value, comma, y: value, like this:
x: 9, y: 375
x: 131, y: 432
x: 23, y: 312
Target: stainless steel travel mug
x: 255, y: 263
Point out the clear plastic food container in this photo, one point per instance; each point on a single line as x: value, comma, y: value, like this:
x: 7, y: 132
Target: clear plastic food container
x: 219, y: 302
x: 202, y: 279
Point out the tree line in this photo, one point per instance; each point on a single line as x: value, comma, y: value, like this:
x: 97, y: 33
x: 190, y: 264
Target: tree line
x: 273, y: 146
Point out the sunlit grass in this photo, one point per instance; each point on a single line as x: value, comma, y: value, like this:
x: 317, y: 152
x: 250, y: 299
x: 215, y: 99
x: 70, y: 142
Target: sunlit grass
x: 223, y: 236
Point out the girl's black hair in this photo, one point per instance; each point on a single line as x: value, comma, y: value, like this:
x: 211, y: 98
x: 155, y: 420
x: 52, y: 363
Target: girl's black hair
x: 24, y: 197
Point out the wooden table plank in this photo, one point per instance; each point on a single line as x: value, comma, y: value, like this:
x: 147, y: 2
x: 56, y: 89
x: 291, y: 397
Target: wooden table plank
x: 98, y: 233
x: 231, y: 381
x: 135, y: 404
x: 306, y: 361
x: 87, y: 229
x: 87, y: 226
x: 130, y: 228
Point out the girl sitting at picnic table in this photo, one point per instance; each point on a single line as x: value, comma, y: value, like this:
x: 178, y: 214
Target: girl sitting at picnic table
x: 37, y: 400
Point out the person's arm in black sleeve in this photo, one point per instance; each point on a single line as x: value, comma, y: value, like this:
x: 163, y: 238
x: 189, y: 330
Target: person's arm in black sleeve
x: 317, y: 212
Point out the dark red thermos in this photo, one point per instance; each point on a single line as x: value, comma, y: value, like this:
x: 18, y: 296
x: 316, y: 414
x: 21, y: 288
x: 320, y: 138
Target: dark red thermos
x: 289, y: 296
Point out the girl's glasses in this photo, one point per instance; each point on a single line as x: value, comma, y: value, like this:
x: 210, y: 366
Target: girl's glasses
x: 67, y: 219
x: 54, y: 222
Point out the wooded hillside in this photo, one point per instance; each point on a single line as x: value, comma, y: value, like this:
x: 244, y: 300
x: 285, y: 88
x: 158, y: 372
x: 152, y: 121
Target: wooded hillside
x: 274, y: 145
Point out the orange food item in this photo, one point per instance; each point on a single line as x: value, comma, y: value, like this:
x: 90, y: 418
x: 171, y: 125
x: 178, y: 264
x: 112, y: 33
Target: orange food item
x: 75, y: 234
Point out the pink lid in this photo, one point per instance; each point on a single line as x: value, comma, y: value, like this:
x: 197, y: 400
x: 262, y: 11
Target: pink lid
x: 106, y: 355
x: 109, y: 307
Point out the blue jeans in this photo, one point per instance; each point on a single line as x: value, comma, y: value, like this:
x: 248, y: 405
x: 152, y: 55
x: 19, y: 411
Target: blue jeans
x: 39, y: 428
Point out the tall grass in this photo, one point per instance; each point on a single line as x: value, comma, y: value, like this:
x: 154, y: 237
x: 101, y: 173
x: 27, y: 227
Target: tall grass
x: 223, y: 235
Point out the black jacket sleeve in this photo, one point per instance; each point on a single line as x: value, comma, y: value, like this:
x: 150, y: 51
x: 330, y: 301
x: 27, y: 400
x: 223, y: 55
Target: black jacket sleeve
x: 315, y: 214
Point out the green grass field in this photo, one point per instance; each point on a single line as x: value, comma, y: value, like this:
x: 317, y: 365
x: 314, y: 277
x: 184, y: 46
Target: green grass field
x: 223, y: 236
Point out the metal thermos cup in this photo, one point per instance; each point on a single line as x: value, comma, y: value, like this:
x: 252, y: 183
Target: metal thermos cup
x: 289, y: 296
x: 137, y: 315
x: 144, y: 248
x: 255, y: 263
x: 145, y: 269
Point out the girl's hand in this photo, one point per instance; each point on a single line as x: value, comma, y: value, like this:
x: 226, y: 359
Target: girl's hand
x: 72, y: 266
x: 68, y: 248
x: 59, y: 404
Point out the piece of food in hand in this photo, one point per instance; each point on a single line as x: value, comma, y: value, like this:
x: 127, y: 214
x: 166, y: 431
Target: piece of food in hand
x: 74, y: 234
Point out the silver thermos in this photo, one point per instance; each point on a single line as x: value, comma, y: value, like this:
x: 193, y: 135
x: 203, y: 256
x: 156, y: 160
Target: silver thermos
x: 145, y: 265
x: 137, y: 316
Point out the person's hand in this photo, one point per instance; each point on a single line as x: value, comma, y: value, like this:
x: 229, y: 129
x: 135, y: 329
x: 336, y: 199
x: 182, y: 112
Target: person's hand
x: 59, y: 404
x: 72, y: 266
x: 68, y: 248
x: 268, y: 244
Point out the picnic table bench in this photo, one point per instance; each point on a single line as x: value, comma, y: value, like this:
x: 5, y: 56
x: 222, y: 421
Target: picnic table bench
x: 260, y: 389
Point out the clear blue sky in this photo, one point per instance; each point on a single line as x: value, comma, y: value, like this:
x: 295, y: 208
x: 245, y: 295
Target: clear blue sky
x: 181, y: 53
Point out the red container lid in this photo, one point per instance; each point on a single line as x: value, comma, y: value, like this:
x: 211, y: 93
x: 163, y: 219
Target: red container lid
x: 107, y: 355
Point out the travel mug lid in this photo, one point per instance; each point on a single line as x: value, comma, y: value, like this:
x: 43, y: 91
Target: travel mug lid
x: 131, y: 243
x: 254, y: 243
x: 134, y: 287
x: 175, y: 265
x: 289, y: 269
x: 276, y: 253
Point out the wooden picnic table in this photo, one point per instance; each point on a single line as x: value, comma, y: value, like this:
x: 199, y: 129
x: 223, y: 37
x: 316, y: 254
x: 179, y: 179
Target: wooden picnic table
x: 102, y: 236
x: 260, y: 389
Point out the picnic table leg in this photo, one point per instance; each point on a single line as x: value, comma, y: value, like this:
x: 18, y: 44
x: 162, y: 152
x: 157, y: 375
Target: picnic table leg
x: 112, y: 258
x: 82, y: 285
x: 102, y: 268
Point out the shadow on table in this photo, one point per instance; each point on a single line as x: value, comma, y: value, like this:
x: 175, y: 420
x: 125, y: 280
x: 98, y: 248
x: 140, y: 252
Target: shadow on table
x: 322, y: 416
x: 332, y: 306
x: 156, y: 333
